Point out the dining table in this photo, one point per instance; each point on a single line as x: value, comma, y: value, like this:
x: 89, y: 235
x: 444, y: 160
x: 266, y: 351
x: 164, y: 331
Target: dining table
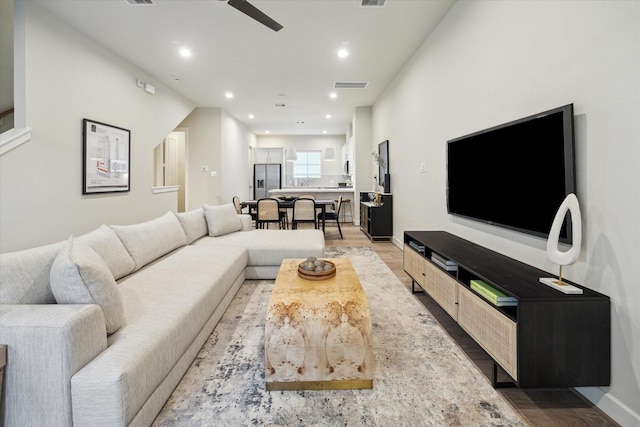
x: 287, y: 203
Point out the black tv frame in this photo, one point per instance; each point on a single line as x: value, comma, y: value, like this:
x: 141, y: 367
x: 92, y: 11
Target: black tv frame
x: 569, y: 168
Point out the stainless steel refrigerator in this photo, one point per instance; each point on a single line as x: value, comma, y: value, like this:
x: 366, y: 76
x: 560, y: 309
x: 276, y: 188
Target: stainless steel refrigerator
x: 266, y: 176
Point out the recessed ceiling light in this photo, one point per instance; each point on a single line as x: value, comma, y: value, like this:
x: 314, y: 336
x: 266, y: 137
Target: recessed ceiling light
x: 266, y: 131
x: 324, y: 131
x: 328, y: 116
x: 251, y: 116
x: 177, y: 78
x: 333, y: 95
x: 343, y: 52
x: 184, y: 52
x: 228, y: 95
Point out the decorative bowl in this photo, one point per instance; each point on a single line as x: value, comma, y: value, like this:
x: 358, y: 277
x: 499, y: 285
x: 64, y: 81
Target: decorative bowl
x: 317, y: 275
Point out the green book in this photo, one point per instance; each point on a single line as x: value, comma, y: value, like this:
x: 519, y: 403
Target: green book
x: 490, y: 293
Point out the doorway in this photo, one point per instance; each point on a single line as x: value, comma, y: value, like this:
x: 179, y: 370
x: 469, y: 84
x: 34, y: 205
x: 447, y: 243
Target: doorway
x: 170, y: 165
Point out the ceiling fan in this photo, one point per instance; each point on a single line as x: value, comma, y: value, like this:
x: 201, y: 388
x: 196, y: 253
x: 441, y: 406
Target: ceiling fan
x: 248, y: 9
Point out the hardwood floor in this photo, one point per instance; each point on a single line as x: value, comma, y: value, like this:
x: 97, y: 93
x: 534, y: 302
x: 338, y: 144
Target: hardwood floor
x: 538, y: 407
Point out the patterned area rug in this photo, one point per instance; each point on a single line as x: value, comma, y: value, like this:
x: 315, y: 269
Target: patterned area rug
x: 421, y: 377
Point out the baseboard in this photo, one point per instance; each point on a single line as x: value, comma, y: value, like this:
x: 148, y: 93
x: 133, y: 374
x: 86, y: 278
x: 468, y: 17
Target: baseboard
x: 611, y: 406
x: 397, y: 242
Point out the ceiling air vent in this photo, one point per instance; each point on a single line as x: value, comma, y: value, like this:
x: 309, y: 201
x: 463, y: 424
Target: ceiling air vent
x: 350, y: 85
x: 372, y: 3
x: 140, y: 2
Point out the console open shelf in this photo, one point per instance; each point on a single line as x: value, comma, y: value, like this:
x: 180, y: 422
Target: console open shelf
x: 549, y: 339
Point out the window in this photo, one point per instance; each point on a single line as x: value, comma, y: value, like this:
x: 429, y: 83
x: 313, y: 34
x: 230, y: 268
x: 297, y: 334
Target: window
x: 308, y: 165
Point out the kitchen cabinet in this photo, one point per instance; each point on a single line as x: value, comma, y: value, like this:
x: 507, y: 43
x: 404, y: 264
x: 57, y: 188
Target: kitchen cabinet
x: 268, y: 155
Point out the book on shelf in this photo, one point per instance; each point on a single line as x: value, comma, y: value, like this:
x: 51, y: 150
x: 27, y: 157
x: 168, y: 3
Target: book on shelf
x: 447, y: 267
x: 417, y: 246
x: 493, y: 295
x: 441, y: 259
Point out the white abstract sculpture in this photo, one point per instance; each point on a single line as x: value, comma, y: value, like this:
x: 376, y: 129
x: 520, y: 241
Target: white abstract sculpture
x: 557, y: 256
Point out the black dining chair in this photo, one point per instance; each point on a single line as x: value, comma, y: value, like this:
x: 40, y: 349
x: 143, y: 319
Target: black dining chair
x: 284, y: 216
x: 333, y: 216
x: 304, y: 211
x: 238, y: 206
x: 268, y: 211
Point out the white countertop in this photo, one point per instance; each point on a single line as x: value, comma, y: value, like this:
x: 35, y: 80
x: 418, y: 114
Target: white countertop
x: 302, y: 190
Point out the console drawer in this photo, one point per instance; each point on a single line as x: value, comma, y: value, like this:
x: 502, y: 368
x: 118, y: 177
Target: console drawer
x: 443, y: 289
x: 494, y: 331
x: 414, y: 264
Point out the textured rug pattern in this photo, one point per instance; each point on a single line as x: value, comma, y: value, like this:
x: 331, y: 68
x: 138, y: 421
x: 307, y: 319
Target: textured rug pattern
x: 421, y: 377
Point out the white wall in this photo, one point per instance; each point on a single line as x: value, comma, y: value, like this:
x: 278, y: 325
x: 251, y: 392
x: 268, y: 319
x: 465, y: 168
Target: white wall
x: 491, y: 62
x: 363, y: 146
x: 204, y: 147
x: 235, y: 171
x: 68, y: 78
x: 219, y: 143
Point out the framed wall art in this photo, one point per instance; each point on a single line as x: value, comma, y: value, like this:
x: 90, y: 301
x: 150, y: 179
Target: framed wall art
x: 106, y: 153
x: 383, y: 166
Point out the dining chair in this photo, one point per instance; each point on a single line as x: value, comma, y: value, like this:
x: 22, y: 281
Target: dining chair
x: 333, y: 216
x: 304, y: 210
x: 236, y: 204
x: 267, y: 212
x: 306, y: 196
x: 284, y: 216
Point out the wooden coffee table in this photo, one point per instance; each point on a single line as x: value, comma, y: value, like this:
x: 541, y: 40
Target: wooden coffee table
x: 318, y: 333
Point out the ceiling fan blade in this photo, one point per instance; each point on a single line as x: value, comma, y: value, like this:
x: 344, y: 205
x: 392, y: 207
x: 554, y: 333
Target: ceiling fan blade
x: 248, y: 9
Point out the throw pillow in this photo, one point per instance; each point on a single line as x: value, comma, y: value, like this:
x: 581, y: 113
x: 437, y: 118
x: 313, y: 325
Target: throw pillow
x: 222, y: 219
x: 80, y: 276
x: 148, y: 241
x: 193, y: 223
x: 108, y: 245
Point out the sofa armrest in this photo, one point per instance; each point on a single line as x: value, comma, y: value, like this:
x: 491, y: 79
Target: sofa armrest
x: 245, y: 220
x: 46, y: 345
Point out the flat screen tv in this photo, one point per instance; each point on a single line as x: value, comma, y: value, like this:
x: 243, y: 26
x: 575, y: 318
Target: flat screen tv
x: 514, y: 175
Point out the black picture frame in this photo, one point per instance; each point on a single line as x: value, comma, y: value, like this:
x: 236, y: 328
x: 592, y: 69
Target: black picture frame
x: 106, y: 158
x: 383, y: 168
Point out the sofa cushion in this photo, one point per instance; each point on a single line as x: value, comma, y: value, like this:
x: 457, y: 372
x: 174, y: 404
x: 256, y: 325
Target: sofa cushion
x: 166, y: 306
x: 106, y: 243
x: 80, y: 276
x: 270, y: 247
x: 150, y: 240
x: 193, y: 224
x: 222, y: 219
x: 24, y: 275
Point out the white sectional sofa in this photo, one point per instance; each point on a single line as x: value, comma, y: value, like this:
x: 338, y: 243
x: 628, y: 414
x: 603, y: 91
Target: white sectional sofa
x: 101, y: 328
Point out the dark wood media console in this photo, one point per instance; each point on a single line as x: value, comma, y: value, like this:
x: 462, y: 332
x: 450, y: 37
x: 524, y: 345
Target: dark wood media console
x: 550, y: 339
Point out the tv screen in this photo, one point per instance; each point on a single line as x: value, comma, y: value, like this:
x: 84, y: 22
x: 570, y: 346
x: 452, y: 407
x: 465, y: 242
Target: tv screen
x: 514, y: 175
